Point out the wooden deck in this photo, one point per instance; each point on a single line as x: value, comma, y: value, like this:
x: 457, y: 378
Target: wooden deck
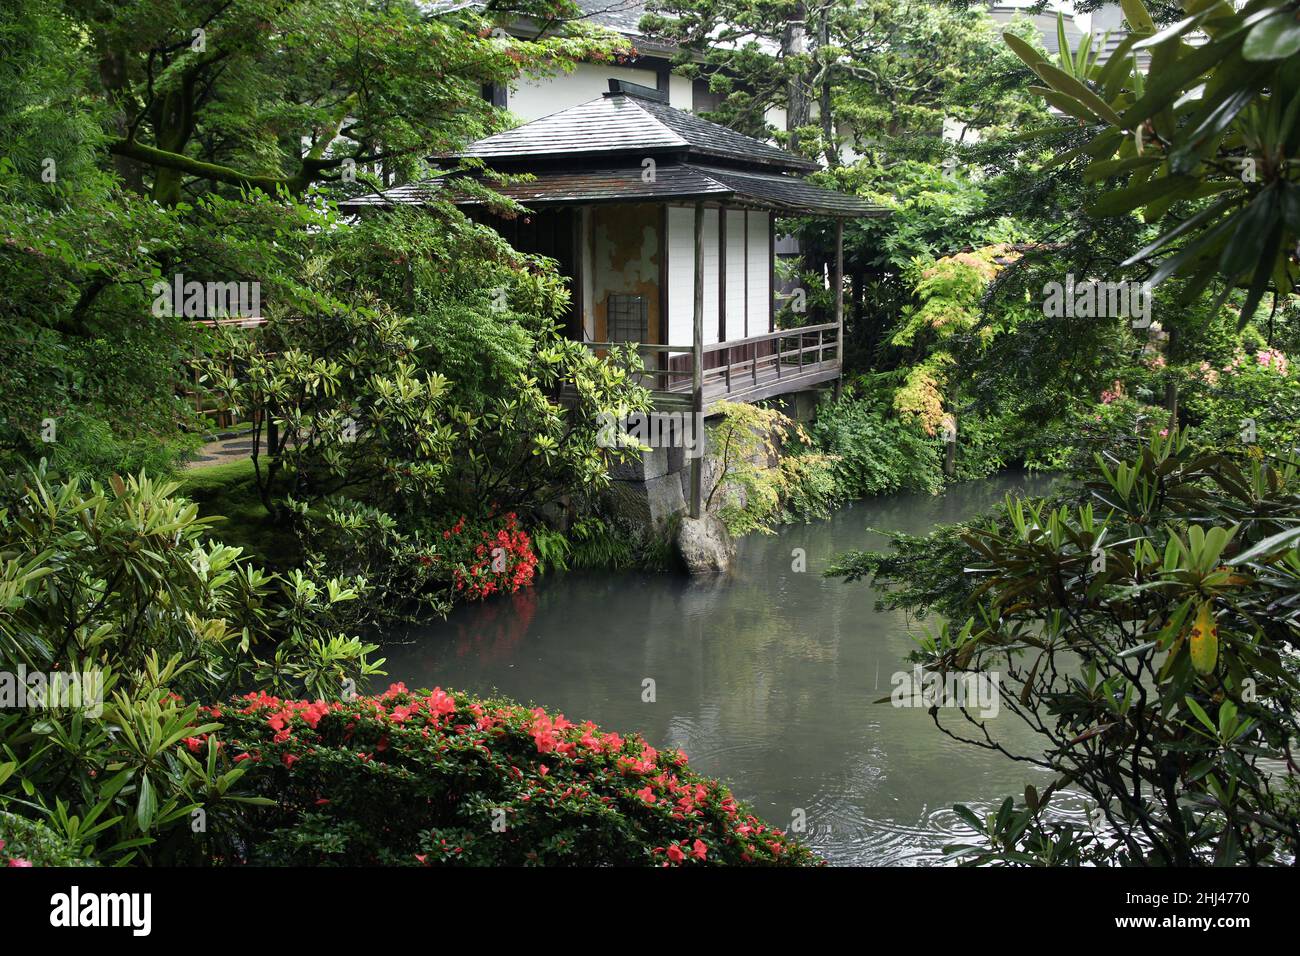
x: 749, y: 370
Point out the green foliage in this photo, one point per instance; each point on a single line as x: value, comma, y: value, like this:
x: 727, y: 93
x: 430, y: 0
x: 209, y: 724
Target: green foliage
x: 600, y: 542
x: 760, y: 480
x: 918, y: 574
x: 1145, y: 635
x: 78, y: 385
x: 26, y: 842
x: 431, y: 778
x: 228, y: 498
x: 877, y: 70
x: 935, y: 210
x: 1204, y: 145
x: 1253, y: 399
x: 121, y: 586
x: 358, y: 83
x: 453, y: 406
x: 871, y: 451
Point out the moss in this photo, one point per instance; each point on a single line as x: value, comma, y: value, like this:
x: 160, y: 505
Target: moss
x: 228, y: 492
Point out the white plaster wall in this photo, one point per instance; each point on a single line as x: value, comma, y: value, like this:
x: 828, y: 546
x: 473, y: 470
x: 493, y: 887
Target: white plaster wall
x: 681, y: 275
x: 534, y: 98
x: 760, y: 292
x: 679, y: 92
x: 736, y: 318
x: 712, y: 274
x: 588, y: 269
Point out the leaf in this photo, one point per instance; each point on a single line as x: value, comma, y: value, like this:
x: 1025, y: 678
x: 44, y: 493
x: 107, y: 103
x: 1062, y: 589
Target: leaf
x: 1200, y: 714
x: 1106, y: 168
x: 1274, y: 544
x: 1169, y: 32
x: 1066, y: 104
x: 1023, y: 49
x: 1187, y: 70
x: 1133, y: 651
x: 1187, y: 224
x: 1138, y: 18
x: 1273, y: 39
x: 1062, y: 81
x: 1120, y: 201
x: 147, y: 805
x: 1117, y: 69
x: 1205, y: 639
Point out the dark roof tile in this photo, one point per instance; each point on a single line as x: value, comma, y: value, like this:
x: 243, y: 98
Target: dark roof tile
x: 630, y: 125
x: 788, y: 195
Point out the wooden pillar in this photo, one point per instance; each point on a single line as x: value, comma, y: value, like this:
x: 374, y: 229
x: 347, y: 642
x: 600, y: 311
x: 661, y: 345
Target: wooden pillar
x: 839, y: 303
x: 577, y: 316
x: 697, y: 363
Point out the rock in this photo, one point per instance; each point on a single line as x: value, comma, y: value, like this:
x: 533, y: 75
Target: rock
x: 705, y: 545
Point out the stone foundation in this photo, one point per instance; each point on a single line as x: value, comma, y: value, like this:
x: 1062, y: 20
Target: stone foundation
x: 651, y: 489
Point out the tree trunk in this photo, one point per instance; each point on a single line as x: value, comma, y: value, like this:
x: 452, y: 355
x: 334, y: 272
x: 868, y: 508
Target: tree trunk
x: 112, y: 74
x: 172, y: 128
x: 794, y: 43
x: 824, y: 106
x: 1171, y: 383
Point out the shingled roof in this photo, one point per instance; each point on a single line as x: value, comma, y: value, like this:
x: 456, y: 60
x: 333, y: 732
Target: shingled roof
x: 627, y: 122
x: 784, y: 195
x: 593, y: 153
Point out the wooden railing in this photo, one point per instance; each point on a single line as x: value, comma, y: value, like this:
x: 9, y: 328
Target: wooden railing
x: 747, y: 363
x: 779, y: 361
x: 193, y: 389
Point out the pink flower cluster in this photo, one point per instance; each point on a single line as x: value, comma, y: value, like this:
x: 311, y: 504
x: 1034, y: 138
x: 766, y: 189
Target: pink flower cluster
x: 16, y: 861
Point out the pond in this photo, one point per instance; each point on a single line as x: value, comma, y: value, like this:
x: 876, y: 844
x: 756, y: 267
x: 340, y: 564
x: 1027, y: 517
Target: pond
x: 768, y: 679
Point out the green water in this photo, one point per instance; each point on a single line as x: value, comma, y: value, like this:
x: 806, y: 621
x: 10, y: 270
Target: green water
x: 766, y: 678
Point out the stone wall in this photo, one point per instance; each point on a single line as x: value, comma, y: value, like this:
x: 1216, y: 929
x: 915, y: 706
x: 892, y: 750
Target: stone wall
x: 650, y: 490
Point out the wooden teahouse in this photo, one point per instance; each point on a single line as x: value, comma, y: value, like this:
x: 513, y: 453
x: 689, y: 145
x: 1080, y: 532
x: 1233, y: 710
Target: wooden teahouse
x: 664, y: 223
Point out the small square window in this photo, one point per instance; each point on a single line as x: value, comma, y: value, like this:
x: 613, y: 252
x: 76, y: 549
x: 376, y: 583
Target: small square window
x: 627, y: 318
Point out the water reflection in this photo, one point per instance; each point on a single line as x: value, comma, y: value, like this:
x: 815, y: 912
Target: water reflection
x: 767, y: 679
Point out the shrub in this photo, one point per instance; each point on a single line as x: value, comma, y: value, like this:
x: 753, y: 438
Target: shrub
x: 26, y: 842
x: 604, y: 542
x: 397, y: 559
x: 1146, y: 636
x: 488, y: 557
x: 764, y: 476
x: 425, y: 778
x: 1254, y: 398
x: 874, y: 453
x: 120, y: 582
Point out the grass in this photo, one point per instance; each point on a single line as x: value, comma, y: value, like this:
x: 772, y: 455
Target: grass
x: 228, y: 490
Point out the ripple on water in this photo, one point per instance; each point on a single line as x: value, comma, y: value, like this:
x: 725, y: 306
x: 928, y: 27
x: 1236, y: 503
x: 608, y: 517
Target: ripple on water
x: 766, y: 679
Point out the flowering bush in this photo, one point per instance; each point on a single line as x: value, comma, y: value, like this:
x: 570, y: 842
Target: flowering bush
x: 488, y: 558
x: 26, y: 842
x: 424, y: 778
x: 1252, y: 399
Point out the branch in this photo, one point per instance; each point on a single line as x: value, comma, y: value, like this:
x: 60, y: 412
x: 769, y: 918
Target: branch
x: 211, y: 171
